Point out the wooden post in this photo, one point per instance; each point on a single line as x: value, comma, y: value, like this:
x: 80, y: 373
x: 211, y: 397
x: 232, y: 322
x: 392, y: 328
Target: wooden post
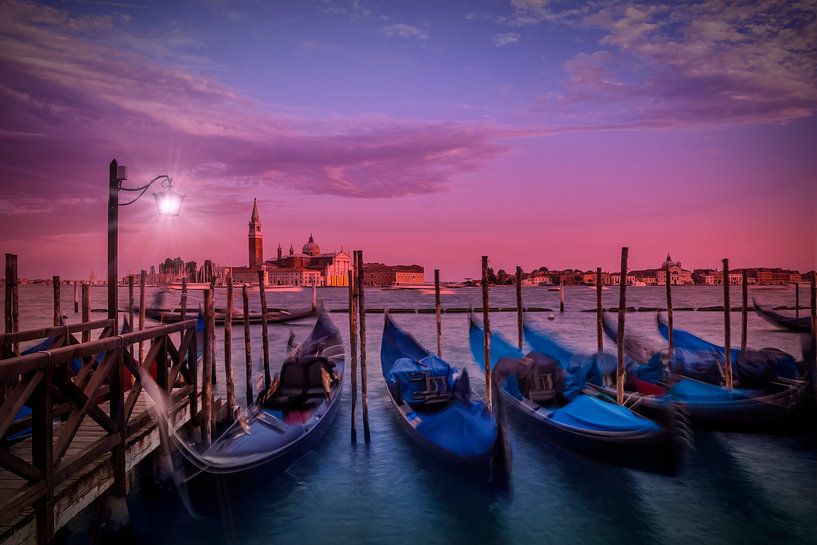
x: 353, y: 343
x: 744, y: 312
x: 727, y: 327
x: 561, y: 295
x: 206, y: 382
x: 438, y: 312
x: 184, y: 299
x: 486, y: 325
x: 264, y: 329
x: 55, y: 283
x: 228, y: 344
x: 131, y: 323
x: 520, y: 317
x: 76, y: 297
x: 599, y: 313
x: 213, y: 374
x: 814, y: 326
x: 364, y: 401
x: 796, y: 300
x: 113, y: 244
x: 142, y: 281
x: 669, y: 313
x: 42, y: 450
x: 86, y: 309
x: 622, y: 309
x: 11, y: 294
x: 247, y: 346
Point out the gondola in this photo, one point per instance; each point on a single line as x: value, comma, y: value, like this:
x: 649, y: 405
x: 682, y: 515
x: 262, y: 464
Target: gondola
x: 753, y: 368
x: 166, y: 316
x: 435, y: 407
x: 556, y: 402
x: 650, y: 383
x: 789, y: 323
x: 290, y: 417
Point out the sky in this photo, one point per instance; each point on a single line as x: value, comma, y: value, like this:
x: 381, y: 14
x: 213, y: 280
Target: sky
x: 539, y: 133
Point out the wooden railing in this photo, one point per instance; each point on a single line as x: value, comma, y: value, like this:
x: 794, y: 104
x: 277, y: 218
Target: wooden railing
x: 102, y: 385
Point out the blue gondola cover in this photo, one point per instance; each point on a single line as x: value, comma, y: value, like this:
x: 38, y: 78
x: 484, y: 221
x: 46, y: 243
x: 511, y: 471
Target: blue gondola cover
x: 590, y: 413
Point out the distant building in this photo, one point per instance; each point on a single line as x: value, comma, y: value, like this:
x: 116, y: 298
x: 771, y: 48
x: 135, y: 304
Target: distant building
x: 378, y: 274
x: 677, y: 274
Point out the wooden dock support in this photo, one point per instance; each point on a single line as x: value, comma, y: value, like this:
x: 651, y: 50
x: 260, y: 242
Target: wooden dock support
x: 264, y: 329
x: 207, y: 370
x: 561, y: 295
x: 55, y: 284
x: 599, y: 313
x: 438, y: 313
x: 622, y: 311
x: 361, y: 302
x: 228, y: 346
x: 142, y: 286
x: 727, y: 327
x: 353, y: 344
x: 76, y: 297
x: 86, y: 309
x: 669, y: 314
x: 486, y: 326
x: 744, y: 312
x: 10, y: 286
x: 520, y: 311
x: 245, y: 296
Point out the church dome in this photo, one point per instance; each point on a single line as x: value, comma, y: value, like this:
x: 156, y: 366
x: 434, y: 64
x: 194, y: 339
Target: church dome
x: 669, y: 263
x: 310, y: 248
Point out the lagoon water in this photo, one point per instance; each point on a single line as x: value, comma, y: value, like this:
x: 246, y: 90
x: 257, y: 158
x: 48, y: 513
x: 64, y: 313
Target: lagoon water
x: 738, y: 488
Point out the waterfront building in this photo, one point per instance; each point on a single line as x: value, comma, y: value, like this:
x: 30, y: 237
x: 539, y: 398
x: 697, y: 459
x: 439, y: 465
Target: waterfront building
x: 379, y: 274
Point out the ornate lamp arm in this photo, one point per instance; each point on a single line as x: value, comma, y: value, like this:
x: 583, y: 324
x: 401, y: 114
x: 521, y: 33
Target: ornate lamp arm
x: 167, y: 182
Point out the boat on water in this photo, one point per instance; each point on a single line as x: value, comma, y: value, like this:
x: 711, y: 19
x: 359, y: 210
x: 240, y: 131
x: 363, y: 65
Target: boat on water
x: 789, y: 323
x: 287, y: 419
x: 556, y: 401
x: 435, y: 406
x: 693, y: 379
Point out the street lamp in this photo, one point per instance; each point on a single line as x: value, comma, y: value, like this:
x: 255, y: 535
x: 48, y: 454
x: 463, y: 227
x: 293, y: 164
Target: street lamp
x: 168, y: 203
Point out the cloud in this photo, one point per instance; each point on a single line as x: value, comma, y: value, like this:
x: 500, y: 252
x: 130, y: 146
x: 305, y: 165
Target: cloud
x: 501, y: 40
x: 72, y: 104
x: 697, y: 65
x: 403, y: 30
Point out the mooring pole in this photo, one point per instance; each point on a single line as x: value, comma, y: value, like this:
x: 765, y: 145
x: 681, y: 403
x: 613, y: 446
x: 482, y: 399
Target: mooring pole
x: 744, y: 312
x: 622, y: 310
x: 438, y: 313
x: 599, y: 313
x: 486, y: 325
x: 228, y: 345
x: 206, y: 382
x: 76, y: 297
x: 86, y: 309
x: 142, y: 287
x: 264, y: 329
x: 131, y: 323
x: 11, y: 292
x: 363, y: 371
x: 669, y: 313
x: 353, y: 343
x: 183, y: 309
x: 727, y: 326
x: 55, y: 283
x: 796, y: 300
x: 245, y: 296
x: 561, y: 295
x: 814, y: 325
x: 520, y: 316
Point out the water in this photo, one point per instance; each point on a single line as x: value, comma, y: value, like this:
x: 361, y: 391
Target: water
x: 737, y: 488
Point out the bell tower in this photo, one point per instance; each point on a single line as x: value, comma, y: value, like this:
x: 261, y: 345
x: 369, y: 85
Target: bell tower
x: 256, y: 239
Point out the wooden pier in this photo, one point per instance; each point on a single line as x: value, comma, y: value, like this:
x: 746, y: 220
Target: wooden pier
x: 91, y: 424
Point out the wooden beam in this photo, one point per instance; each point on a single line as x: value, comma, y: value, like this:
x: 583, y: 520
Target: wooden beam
x: 486, y: 326
x: 622, y: 311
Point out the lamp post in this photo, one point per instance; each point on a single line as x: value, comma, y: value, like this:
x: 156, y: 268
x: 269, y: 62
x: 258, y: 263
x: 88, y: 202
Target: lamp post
x: 168, y: 203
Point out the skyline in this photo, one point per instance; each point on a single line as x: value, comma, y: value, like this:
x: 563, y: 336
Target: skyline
x: 528, y: 131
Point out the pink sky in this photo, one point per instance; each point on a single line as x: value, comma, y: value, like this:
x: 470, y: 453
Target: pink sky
x: 537, y: 137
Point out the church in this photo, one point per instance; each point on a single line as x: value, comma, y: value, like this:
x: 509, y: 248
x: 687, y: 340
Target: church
x: 307, y: 268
